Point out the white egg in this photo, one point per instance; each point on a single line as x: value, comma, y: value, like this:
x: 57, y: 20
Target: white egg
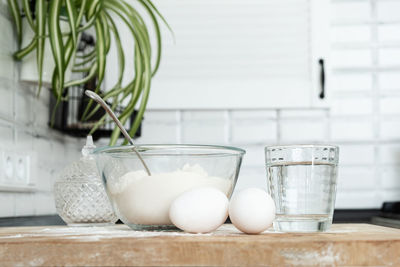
x: 252, y: 210
x: 199, y: 210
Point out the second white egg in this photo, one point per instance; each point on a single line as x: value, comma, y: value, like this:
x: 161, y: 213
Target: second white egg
x: 199, y: 210
x: 252, y: 210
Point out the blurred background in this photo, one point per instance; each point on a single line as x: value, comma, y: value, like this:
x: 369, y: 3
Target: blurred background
x: 246, y: 74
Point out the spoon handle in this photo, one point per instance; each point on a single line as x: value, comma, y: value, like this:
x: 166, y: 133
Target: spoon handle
x: 99, y: 100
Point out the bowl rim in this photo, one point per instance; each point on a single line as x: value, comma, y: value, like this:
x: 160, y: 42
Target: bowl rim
x: 225, y: 150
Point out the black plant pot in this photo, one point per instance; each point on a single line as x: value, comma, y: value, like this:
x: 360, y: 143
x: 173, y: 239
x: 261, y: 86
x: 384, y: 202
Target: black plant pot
x: 67, y: 117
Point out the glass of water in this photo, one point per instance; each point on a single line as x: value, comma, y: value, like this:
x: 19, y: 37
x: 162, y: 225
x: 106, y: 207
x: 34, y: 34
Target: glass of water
x: 302, y: 181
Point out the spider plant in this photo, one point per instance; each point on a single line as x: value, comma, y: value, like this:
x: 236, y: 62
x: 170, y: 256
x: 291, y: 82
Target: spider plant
x: 98, y: 16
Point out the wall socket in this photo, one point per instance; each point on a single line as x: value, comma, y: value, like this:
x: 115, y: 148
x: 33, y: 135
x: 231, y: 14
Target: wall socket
x: 15, y: 168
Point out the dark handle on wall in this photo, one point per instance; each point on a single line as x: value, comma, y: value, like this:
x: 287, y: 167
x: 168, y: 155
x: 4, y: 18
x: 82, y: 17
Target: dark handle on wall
x: 322, y: 78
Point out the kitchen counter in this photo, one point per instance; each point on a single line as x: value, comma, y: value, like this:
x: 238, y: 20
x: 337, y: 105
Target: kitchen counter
x: 344, y: 244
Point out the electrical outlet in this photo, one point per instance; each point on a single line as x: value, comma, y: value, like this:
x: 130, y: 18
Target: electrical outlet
x: 8, y: 166
x: 15, y: 168
x: 21, y: 168
x: 2, y: 175
x: 15, y: 171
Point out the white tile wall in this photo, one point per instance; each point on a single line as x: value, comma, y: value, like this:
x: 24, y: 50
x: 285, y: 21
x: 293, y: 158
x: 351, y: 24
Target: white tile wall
x: 353, y: 11
x: 345, y: 82
x: 362, y: 119
x: 387, y: 11
x: 349, y: 58
x: 23, y: 129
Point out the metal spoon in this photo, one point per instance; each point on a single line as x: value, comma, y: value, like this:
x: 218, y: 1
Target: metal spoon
x: 99, y: 100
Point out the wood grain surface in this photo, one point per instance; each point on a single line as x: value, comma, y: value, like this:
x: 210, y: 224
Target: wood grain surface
x: 344, y: 244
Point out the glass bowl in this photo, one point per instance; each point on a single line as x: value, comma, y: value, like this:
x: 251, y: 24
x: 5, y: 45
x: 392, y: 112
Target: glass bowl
x: 141, y: 201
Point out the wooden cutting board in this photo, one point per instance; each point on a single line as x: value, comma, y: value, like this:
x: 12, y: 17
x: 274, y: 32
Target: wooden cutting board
x: 344, y: 244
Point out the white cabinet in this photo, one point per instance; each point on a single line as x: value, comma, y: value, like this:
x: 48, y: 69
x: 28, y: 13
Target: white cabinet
x: 242, y: 54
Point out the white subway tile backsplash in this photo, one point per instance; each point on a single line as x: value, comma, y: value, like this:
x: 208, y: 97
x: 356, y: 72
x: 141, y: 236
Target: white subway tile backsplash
x: 389, y: 177
x: 351, y: 58
x: 201, y: 116
x: 158, y: 133
x: 352, y: 106
x: 6, y: 66
x: 389, y: 154
x: 389, y: 105
x: 164, y: 117
x: 304, y: 114
x: 253, y: 131
x: 44, y: 204
x: 41, y: 110
x: 356, y: 178
x: 7, y: 96
x: 389, y: 56
x: 24, y: 204
x: 388, y: 10
x: 390, y: 129
x: 311, y: 130
x: 350, y: 34
x: 24, y: 140
x: 351, y: 129
x: 389, y: 80
x: 357, y: 200
x: 7, y: 45
x: 204, y: 127
x: 389, y: 33
x: 44, y: 179
x: 209, y: 133
x: 7, y: 135
x: 255, y: 156
x: 24, y: 110
x: 351, y: 81
x: 251, y: 177
x: 350, y: 11
x: 254, y: 114
x: 73, y: 148
x: 7, y: 204
x: 159, y: 127
x: 390, y: 195
x: 356, y: 155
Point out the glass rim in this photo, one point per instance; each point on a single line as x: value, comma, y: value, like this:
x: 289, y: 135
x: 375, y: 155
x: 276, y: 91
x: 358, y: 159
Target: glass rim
x: 202, y: 149
x: 336, y: 147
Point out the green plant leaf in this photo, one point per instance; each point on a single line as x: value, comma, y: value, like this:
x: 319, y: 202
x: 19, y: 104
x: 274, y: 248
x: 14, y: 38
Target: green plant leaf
x: 28, y: 14
x: 101, y: 61
x: 84, y: 69
x: 55, y: 79
x: 106, y: 31
x: 92, y: 73
x: 101, y: 52
x: 16, y: 14
x: 93, y: 9
x: 85, y: 61
x: 72, y: 19
x: 150, y: 3
x: 20, y: 54
x: 81, y: 12
x: 87, y: 55
x: 57, y: 45
x: 158, y: 34
x: 120, y: 51
x: 41, y: 8
x: 142, y: 64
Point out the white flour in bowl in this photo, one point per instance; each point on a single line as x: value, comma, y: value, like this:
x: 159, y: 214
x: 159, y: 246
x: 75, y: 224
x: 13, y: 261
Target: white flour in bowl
x: 143, y: 199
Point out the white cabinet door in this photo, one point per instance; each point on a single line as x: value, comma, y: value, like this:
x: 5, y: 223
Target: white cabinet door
x: 241, y: 54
